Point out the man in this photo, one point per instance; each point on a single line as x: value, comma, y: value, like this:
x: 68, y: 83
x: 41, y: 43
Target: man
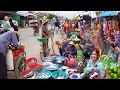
x: 101, y: 37
x: 6, y: 39
x: 57, y: 26
x: 6, y: 23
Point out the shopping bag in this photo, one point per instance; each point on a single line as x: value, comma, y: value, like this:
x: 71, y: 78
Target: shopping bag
x: 9, y: 60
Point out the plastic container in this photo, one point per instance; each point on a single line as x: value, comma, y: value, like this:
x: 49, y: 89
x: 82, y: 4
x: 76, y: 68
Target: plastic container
x: 10, y: 60
x: 42, y: 39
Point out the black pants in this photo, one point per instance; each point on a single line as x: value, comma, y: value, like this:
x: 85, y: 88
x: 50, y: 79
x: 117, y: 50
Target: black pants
x: 3, y: 67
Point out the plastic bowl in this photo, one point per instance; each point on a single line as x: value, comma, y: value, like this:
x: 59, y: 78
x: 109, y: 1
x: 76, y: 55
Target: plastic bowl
x: 55, y: 73
x: 44, y: 71
x: 42, y: 39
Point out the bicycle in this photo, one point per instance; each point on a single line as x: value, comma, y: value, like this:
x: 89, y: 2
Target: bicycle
x: 44, y: 49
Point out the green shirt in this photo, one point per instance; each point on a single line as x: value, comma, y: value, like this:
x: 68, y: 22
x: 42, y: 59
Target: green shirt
x: 5, y: 25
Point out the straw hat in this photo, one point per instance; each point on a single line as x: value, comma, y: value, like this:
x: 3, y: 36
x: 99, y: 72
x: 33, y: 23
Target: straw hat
x: 45, y: 22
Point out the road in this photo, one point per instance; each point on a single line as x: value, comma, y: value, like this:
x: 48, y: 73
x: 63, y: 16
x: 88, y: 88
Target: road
x: 32, y: 46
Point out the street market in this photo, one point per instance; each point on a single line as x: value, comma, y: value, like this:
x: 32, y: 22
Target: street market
x: 86, y: 46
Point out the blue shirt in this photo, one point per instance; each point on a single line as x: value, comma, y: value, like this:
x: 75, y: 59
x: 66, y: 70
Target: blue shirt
x: 99, y: 65
x: 72, y: 49
x: 101, y: 32
x: 6, y: 39
x: 83, y: 42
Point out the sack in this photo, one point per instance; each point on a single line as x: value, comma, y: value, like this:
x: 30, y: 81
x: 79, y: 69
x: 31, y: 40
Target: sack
x: 9, y: 60
x: 11, y: 29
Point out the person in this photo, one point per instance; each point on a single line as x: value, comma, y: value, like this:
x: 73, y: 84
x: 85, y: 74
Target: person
x: 107, y: 28
x: 14, y: 27
x: 76, y: 25
x: 71, y: 49
x: 63, y: 47
x: 95, y: 37
x: 98, y: 25
x: 101, y: 37
x: 6, y: 24
x: 119, y: 39
x: 86, y: 44
x: 45, y: 33
x: 94, y: 65
x: 114, y: 52
x: 68, y: 28
x: 6, y: 39
x: 57, y: 26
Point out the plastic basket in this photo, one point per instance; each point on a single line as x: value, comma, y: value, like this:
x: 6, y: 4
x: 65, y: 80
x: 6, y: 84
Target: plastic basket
x: 42, y: 39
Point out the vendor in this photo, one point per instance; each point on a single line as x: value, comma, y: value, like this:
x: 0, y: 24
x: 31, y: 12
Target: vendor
x: 45, y: 33
x: 63, y: 47
x: 6, y: 39
x: 86, y: 44
x: 94, y: 65
x: 114, y: 51
x: 71, y: 49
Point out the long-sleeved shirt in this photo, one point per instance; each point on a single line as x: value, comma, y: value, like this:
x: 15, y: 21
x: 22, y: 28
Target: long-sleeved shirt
x: 72, y: 49
x: 101, y: 32
x: 98, y: 65
x: 6, y: 39
x: 83, y: 42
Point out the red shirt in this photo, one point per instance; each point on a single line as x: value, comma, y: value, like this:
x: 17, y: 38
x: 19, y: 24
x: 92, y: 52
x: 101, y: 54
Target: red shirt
x: 68, y: 26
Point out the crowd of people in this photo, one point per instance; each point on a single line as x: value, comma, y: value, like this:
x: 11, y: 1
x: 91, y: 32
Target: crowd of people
x: 95, y: 42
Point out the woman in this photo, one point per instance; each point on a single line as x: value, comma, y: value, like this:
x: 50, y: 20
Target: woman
x: 107, y: 28
x: 94, y: 65
x: 68, y: 28
x: 45, y: 33
x: 71, y: 49
x: 114, y: 52
x: 98, y: 25
x: 15, y: 28
x: 96, y: 37
x: 12, y: 25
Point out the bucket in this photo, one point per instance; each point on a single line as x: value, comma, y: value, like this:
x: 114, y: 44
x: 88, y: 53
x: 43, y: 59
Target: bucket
x: 10, y: 60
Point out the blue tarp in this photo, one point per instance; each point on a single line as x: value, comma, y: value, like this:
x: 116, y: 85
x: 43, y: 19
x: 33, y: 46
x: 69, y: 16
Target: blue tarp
x: 108, y: 13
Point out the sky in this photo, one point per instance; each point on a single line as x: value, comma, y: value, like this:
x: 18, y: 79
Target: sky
x: 68, y: 14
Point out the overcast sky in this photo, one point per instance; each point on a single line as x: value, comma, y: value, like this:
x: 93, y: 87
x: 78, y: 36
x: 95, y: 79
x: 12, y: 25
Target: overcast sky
x: 68, y: 14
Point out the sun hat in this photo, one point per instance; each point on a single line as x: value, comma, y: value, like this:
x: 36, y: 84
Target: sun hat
x: 71, y: 42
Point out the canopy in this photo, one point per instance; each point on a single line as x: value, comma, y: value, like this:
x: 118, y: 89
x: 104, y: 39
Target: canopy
x: 108, y: 13
x: 92, y: 14
x: 24, y: 13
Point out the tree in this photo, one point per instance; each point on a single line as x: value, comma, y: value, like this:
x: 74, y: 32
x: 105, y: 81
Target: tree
x: 50, y: 16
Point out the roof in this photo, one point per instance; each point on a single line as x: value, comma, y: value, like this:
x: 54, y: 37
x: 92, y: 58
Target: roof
x: 108, y: 13
x: 23, y: 13
x: 92, y: 14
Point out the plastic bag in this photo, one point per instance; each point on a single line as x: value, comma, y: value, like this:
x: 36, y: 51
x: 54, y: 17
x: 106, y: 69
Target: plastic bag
x: 9, y: 60
x: 11, y: 29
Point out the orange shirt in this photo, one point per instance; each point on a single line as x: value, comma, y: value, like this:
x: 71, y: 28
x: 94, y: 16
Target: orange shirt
x: 98, y: 26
